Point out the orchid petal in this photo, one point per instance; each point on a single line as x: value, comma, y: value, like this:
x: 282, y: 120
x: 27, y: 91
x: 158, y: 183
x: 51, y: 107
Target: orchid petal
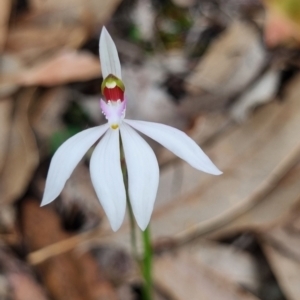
x: 143, y: 174
x: 107, y: 178
x: 66, y: 158
x: 110, y: 63
x: 178, y: 142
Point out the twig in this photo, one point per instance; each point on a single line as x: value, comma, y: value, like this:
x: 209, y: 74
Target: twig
x: 66, y: 245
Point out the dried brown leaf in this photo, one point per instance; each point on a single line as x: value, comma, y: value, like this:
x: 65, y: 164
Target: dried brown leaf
x: 62, y: 68
x: 268, y: 211
x: 102, y: 10
x: 60, y: 274
x: 30, y: 44
x: 5, y: 7
x: 39, y: 6
x: 253, y: 158
x: 233, y: 60
x: 37, y: 35
x: 52, y: 25
x: 5, y: 288
x: 182, y: 277
x: 236, y: 265
x: 22, y: 154
x: 66, y: 275
x: 46, y: 113
x: 10, y: 66
x: 25, y: 287
x: 99, y: 11
x: 8, y: 221
x: 262, y: 91
x: 281, y: 245
x: 6, y: 106
x: 21, y: 281
x: 100, y: 288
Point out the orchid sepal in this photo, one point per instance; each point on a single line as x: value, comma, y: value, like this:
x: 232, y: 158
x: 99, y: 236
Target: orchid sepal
x: 109, y: 58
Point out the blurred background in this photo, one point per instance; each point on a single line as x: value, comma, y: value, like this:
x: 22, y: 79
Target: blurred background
x: 224, y: 71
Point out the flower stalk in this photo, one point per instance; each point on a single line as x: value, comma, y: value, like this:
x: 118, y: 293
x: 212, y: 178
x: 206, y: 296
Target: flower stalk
x: 147, y: 265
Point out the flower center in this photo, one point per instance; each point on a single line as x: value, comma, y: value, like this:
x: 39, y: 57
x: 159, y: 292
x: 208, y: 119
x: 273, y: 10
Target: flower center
x: 113, y: 88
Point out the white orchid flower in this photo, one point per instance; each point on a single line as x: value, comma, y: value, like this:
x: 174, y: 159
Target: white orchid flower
x: 105, y: 165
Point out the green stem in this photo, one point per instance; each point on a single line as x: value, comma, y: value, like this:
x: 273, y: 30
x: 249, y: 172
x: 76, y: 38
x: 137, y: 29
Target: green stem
x: 147, y: 265
x: 132, y: 230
